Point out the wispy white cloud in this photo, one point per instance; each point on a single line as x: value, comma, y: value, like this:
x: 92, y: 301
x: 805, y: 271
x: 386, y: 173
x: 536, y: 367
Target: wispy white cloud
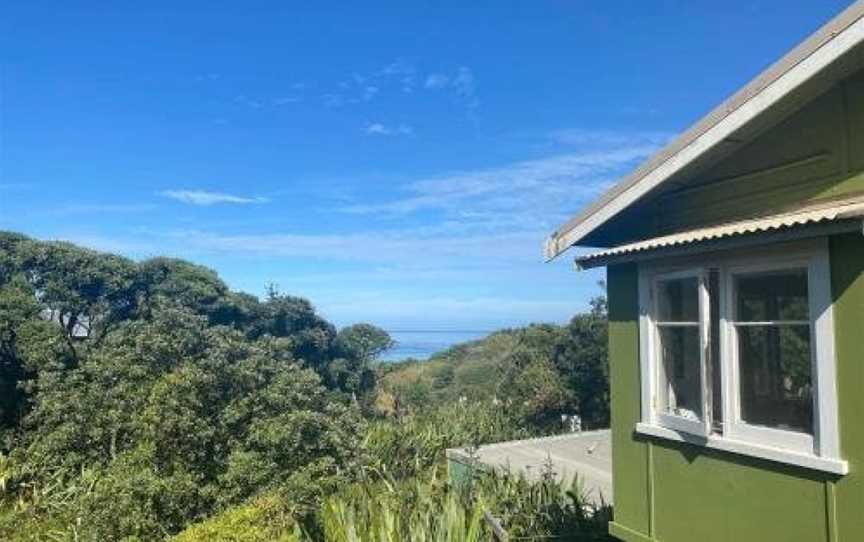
x: 285, y: 100
x: 380, y: 247
x: 399, y: 76
x: 358, y: 88
x: 498, y: 214
x: 436, y: 81
x: 402, y: 71
x: 205, y: 198
x: 538, y: 191
x: 377, y: 128
x: 464, y: 244
x: 609, y: 138
x: 348, y: 95
x: 407, y: 254
x: 333, y: 100
x: 405, y: 77
x: 251, y: 103
x: 369, y: 92
x: 410, y: 277
x: 208, y: 77
x: 463, y: 83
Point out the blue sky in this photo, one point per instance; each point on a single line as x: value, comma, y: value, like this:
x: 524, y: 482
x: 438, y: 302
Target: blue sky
x: 394, y: 162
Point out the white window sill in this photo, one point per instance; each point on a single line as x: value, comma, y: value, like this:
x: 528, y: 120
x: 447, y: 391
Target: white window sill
x: 808, y: 461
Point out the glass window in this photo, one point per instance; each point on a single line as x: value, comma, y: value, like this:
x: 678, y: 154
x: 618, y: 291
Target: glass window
x: 680, y: 348
x: 774, y: 350
x: 772, y: 296
x: 738, y: 350
x: 679, y: 300
x: 680, y: 351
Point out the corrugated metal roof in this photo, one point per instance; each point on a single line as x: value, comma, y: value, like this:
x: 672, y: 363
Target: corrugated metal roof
x: 811, y: 215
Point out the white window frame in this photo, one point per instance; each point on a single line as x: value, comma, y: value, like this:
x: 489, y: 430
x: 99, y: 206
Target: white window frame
x: 696, y: 427
x: 817, y: 451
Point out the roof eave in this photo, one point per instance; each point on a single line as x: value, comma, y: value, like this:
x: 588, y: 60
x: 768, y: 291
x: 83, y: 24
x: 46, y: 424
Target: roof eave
x: 818, y: 219
x: 811, y: 57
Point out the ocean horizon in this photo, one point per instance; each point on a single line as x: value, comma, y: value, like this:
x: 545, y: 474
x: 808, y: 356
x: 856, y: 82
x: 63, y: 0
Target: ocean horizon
x: 422, y: 344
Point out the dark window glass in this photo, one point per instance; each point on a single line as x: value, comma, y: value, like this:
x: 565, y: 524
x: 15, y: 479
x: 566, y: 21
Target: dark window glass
x: 764, y: 297
x: 774, y: 352
x: 679, y: 300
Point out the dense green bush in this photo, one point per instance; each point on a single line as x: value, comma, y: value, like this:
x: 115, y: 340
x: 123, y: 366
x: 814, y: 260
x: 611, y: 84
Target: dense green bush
x: 425, y: 507
x: 139, y: 400
x: 405, y: 446
x: 143, y: 396
x: 545, y: 508
x: 260, y: 520
x: 402, y: 493
x: 536, y: 374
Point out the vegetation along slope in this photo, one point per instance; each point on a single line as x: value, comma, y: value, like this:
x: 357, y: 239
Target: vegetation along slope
x: 147, y: 401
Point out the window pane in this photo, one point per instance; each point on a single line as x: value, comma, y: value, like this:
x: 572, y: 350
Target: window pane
x: 681, y: 394
x: 776, y: 295
x: 775, y: 376
x: 678, y: 300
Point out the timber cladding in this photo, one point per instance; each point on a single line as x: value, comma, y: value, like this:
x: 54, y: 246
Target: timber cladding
x: 668, y: 491
x: 815, y: 155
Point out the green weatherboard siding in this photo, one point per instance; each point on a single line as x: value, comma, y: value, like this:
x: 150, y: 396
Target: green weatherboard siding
x: 674, y: 492
x: 847, y: 284
x: 629, y: 458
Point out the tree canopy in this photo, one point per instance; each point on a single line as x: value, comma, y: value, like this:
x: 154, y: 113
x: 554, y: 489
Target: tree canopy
x: 538, y: 373
x: 138, y: 398
x: 156, y: 380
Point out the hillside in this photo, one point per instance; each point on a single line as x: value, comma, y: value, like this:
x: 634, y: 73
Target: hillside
x: 541, y: 371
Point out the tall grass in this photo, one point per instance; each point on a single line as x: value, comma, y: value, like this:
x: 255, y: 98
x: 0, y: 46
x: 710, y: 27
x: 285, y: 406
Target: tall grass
x: 426, y: 508
x: 431, y: 509
x: 416, y: 511
x: 402, y: 493
x: 543, y: 509
x: 404, y: 447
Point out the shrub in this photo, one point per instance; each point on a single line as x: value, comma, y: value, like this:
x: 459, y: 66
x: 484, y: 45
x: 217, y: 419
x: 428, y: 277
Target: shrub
x: 259, y: 520
x: 417, y: 510
x: 406, y: 446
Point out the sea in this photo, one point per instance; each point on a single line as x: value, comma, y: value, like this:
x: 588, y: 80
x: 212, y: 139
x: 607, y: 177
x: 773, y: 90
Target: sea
x: 421, y: 344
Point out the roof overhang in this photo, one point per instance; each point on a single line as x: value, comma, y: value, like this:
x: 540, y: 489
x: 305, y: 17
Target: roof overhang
x: 811, y: 221
x: 778, y: 83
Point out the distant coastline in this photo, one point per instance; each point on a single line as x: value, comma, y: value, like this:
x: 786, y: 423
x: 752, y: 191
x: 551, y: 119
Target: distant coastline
x: 421, y: 344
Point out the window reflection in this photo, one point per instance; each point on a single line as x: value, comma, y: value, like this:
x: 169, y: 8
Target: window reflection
x: 774, y: 350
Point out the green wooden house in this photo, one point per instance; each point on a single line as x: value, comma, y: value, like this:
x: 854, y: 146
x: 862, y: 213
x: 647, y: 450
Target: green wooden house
x: 735, y: 267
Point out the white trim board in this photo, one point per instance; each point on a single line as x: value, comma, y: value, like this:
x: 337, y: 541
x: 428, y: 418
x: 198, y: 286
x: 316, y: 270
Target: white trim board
x: 833, y: 466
